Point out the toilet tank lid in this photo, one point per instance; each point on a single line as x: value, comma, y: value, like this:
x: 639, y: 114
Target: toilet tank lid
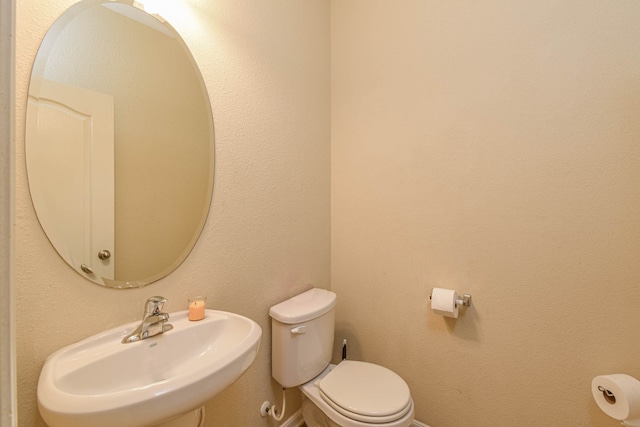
x: 308, y: 305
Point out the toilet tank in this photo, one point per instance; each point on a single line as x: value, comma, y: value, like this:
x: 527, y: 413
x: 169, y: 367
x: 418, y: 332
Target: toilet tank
x: 302, y: 336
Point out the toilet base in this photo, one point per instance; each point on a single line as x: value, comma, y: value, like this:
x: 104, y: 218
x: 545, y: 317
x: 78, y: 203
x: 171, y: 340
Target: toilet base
x: 313, y: 416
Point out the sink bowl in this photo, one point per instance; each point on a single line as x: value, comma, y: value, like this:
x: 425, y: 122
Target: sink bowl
x: 100, y: 382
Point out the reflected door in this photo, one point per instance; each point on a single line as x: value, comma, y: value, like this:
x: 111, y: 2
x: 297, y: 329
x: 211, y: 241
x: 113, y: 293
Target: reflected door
x: 71, y: 143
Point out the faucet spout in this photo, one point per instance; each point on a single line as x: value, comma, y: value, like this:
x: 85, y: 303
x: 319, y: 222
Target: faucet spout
x: 153, y: 321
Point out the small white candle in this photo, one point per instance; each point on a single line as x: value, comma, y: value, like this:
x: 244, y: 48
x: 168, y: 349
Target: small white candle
x: 196, y: 308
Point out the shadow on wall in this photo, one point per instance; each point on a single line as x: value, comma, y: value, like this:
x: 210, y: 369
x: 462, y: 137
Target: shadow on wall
x: 464, y: 327
x: 345, y: 331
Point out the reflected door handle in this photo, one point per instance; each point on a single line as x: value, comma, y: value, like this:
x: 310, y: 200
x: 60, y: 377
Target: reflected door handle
x: 104, y: 254
x: 86, y: 269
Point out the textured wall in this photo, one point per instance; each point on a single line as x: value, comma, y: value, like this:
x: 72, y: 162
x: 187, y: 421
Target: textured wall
x: 491, y: 147
x: 266, y: 67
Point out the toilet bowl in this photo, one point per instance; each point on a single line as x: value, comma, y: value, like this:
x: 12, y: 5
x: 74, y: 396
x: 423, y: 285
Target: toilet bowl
x: 349, y: 394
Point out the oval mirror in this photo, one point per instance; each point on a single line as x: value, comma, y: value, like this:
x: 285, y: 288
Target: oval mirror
x: 119, y: 143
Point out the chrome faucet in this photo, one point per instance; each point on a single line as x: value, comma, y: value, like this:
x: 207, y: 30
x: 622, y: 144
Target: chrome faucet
x: 153, y: 321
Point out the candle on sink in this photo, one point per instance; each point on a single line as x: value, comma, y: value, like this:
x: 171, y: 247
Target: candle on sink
x: 196, y: 308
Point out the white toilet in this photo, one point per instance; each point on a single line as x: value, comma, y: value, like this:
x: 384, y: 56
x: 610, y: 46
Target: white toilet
x: 350, y: 394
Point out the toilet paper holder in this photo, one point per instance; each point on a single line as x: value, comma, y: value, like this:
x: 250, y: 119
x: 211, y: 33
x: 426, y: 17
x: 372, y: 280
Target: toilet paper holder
x: 607, y: 394
x: 464, y: 300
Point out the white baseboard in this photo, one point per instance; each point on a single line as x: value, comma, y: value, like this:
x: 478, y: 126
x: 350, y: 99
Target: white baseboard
x: 296, y: 420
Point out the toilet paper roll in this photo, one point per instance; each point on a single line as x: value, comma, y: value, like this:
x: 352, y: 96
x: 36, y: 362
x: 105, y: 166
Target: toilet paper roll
x: 618, y: 395
x: 443, y: 302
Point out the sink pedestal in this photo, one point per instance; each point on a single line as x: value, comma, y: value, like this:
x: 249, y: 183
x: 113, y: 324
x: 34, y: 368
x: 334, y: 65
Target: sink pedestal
x: 190, y: 419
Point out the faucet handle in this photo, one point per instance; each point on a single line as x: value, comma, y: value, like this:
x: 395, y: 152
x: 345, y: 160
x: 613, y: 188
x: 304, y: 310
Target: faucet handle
x: 153, y: 306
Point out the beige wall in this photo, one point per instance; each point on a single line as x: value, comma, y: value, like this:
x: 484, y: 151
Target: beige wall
x: 266, y: 67
x: 491, y: 147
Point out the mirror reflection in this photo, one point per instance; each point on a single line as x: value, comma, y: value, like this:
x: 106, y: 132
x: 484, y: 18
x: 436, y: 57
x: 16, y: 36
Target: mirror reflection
x: 119, y: 143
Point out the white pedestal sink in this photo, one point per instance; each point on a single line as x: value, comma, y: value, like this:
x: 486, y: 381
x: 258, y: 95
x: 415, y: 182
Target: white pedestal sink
x: 100, y: 382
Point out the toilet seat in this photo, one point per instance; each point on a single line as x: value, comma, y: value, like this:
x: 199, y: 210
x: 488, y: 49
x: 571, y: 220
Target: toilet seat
x: 366, y: 392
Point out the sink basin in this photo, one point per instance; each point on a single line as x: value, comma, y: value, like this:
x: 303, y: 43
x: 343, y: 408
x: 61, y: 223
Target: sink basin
x: 100, y: 382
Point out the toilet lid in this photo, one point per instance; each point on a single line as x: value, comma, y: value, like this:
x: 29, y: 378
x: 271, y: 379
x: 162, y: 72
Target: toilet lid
x: 366, y: 392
